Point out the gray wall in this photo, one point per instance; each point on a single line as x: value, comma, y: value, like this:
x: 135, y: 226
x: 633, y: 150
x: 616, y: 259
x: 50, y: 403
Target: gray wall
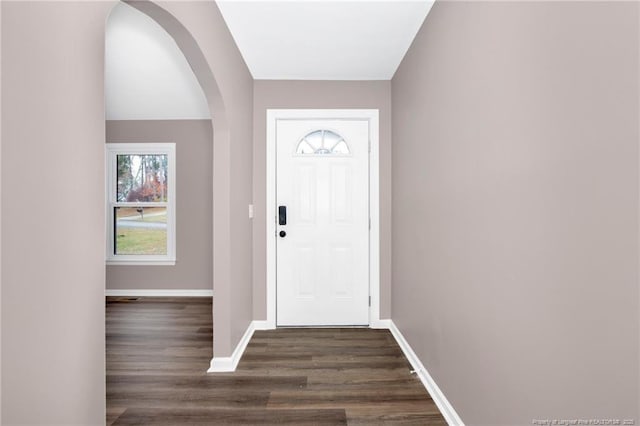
x: 202, y: 35
x: 53, y: 212
x: 515, y: 216
x: 319, y: 94
x: 194, y: 180
x: 52, y: 113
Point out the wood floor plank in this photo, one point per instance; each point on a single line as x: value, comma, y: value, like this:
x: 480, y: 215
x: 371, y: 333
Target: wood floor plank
x: 158, y: 351
x: 206, y: 382
x: 381, y: 416
x: 137, y: 416
x: 347, y: 398
x: 113, y: 413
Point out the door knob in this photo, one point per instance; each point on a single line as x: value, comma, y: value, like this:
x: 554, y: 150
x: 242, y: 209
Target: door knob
x: 283, y: 234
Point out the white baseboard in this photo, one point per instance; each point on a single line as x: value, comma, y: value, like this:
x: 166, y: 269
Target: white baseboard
x: 159, y: 293
x: 263, y: 325
x: 384, y: 324
x: 229, y: 363
x: 438, y: 397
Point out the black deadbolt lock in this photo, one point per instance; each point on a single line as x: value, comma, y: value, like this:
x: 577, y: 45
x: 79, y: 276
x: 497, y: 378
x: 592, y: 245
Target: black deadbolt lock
x: 283, y: 234
x: 282, y: 215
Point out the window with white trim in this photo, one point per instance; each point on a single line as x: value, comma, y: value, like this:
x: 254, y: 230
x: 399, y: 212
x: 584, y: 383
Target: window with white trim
x: 141, y: 193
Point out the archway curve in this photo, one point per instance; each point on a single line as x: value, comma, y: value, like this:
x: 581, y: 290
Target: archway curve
x: 188, y: 45
x: 194, y: 56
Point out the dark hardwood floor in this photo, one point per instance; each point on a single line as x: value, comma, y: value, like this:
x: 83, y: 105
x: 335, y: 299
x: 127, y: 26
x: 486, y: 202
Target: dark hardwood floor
x: 158, y: 351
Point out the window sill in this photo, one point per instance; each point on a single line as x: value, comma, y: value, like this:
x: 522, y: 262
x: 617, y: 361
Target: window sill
x: 139, y: 262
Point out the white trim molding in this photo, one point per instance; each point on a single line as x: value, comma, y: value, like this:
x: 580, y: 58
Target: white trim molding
x: 371, y: 115
x: 384, y: 324
x: 112, y: 151
x: 159, y: 293
x: 438, y: 397
x: 229, y: 363
x: 262, y: 325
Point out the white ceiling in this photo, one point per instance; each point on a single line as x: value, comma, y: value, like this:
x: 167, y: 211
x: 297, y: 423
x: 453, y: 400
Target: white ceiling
x: 324, y: 39
x: 146, y: 75
x: 148, y: 78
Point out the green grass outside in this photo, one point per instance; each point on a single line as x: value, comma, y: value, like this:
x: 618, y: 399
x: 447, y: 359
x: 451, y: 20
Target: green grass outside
x: 141, y: 241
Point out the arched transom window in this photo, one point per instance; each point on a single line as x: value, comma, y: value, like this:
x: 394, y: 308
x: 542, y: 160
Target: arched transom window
x: 323, y: 142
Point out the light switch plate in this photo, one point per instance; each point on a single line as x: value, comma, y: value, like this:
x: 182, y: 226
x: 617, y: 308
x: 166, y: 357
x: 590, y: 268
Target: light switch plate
x: 250, y: 211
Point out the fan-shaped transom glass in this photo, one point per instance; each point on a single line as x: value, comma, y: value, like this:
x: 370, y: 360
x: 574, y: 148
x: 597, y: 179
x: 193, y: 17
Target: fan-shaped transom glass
x: 323, y: 142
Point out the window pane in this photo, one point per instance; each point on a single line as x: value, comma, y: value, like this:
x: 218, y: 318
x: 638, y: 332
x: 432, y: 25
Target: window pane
x: 141, y: 230
x: 322, y: 142
x: 330, y: 139
x: 314, y: 139
x: 304, y: 148
x: 142, y: 178
x: 341, y: 148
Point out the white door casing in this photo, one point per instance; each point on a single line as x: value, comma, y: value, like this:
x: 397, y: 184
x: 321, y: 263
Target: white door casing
x: 322, y: 249
x: 349, y: 254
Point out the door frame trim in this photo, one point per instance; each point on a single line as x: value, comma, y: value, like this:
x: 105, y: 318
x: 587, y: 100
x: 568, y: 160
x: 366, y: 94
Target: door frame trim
x: 370, y: 115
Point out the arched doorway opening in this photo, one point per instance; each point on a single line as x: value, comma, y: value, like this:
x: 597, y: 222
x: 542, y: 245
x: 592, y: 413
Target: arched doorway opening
x: 203, y: 81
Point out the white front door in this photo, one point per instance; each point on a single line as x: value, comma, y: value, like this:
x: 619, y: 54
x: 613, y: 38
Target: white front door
x: 322, y: 197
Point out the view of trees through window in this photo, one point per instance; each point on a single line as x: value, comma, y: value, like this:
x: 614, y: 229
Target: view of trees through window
x: 141, y: 229
x: 142, y: 178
